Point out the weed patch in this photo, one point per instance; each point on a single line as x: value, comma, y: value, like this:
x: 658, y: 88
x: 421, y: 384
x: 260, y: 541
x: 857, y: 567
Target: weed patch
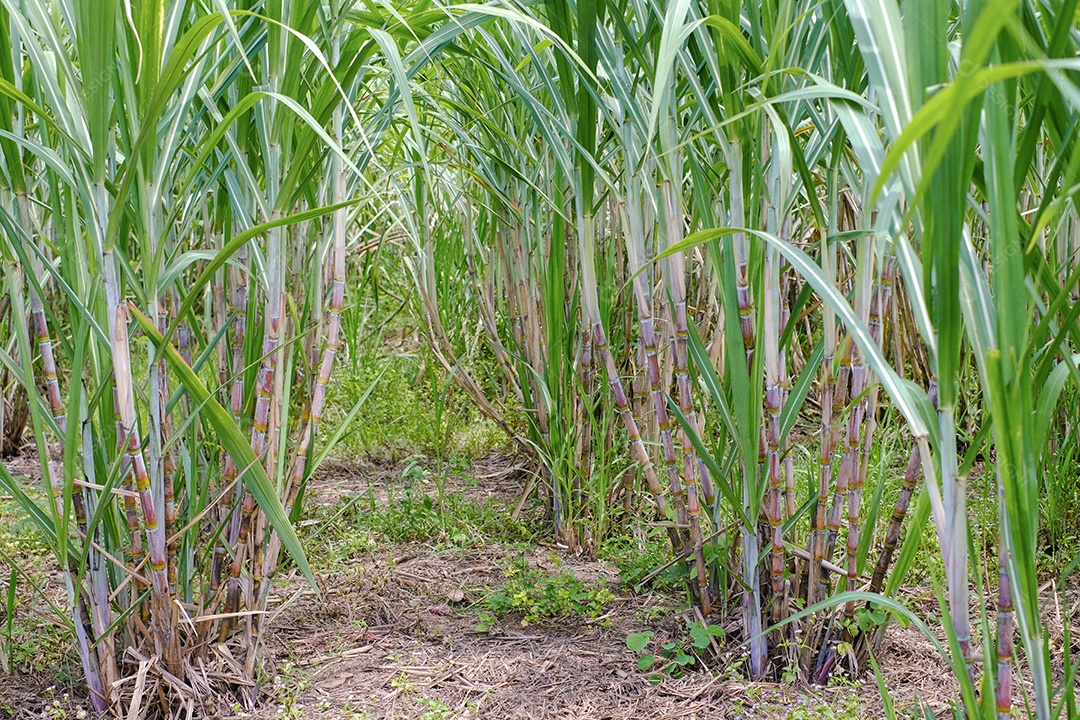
x: 535, y: 595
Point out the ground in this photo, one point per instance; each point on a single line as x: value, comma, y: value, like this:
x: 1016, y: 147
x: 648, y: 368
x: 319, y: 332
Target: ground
x: 434, y: 605
x: 402, y: 632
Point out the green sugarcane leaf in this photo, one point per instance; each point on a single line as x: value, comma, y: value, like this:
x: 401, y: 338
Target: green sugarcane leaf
x: 670, y: 42
x: 185, y: 260
x: 789, y: 413
x: 707, y: 374
x: 886, y: 697
x: 238, y: 446
x: 878, y: 600
x: 733, y: 36
x: 96, y: 29
x: 943, y: 105
x: 344, y: 425
x: 1048, y: 399
x: 799, y: 512
x: 710, y: 462
x: 47, y: 155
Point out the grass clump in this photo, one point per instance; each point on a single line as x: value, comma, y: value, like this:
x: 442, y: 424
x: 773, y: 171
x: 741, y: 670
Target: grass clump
x: 29, y: 641
x: 424, y: 508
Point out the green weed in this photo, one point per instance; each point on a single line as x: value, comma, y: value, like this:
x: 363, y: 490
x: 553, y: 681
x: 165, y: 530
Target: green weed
x: 671, y: 656
x: 287, y: 687
x: 535, y: 594
x: 31, y: 642
x: 638, y: 556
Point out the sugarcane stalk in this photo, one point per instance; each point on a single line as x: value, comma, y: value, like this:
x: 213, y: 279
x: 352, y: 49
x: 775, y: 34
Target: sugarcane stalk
x: 892, y: 532
x: 636, y: 254
x: 99, y: 620
x: 854, y: 445
x: 131, y: 514
x: 955, y: 546
x: 591, y: 311
x: 219, y: 312
x: 866, y: 304
x: 314, y: 412
x: 228, y: 535
x: 152, y: 495
x: 622, y: 407
x: 1074, y: 250
x: 232, y: 596
x: 751, y: 600
x: 527, y: 333
x: 161, y: 609
x: 99, y: 579
x: 847, y: 461
x: 95, y: 624
x: 676, y: 282
x: 264, y: 385
x: 785, y: 385
x: 773, y: 402
x: 168, y: 463
x: 815, y: 586
x: 83, y: 633
x: 155, y: 530
x: 485, y: 292
x: 277, y: 435
x: 879, y: 308
x: 1005, y: 617
x: 586, y: 376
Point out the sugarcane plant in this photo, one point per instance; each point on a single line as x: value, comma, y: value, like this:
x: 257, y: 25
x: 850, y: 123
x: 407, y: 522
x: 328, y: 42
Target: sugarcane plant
x: 176, y: 209
x: 831, y: 214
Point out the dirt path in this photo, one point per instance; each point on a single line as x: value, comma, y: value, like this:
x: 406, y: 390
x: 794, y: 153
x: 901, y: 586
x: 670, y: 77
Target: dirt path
x: 395, y: 646
x: 395, y: 636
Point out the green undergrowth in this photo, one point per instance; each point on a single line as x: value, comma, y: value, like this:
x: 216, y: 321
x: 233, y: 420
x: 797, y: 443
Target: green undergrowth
x: 697, y: 647
x: 421, y: 505
x: 672, y: 656
x: 639, y: 555
x: 32, y: 639
x: 535, y: 594
x: 409, y: 403
x: 758, y: 703
x: 413, y: 413
x: 408, y: 407
x: 1059, y: 538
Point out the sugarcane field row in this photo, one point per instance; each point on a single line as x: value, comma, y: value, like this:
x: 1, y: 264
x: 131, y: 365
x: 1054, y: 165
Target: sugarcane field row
x: 508, y: 359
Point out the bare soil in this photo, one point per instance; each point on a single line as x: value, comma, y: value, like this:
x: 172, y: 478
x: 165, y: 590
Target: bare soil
x: 394, y: 634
